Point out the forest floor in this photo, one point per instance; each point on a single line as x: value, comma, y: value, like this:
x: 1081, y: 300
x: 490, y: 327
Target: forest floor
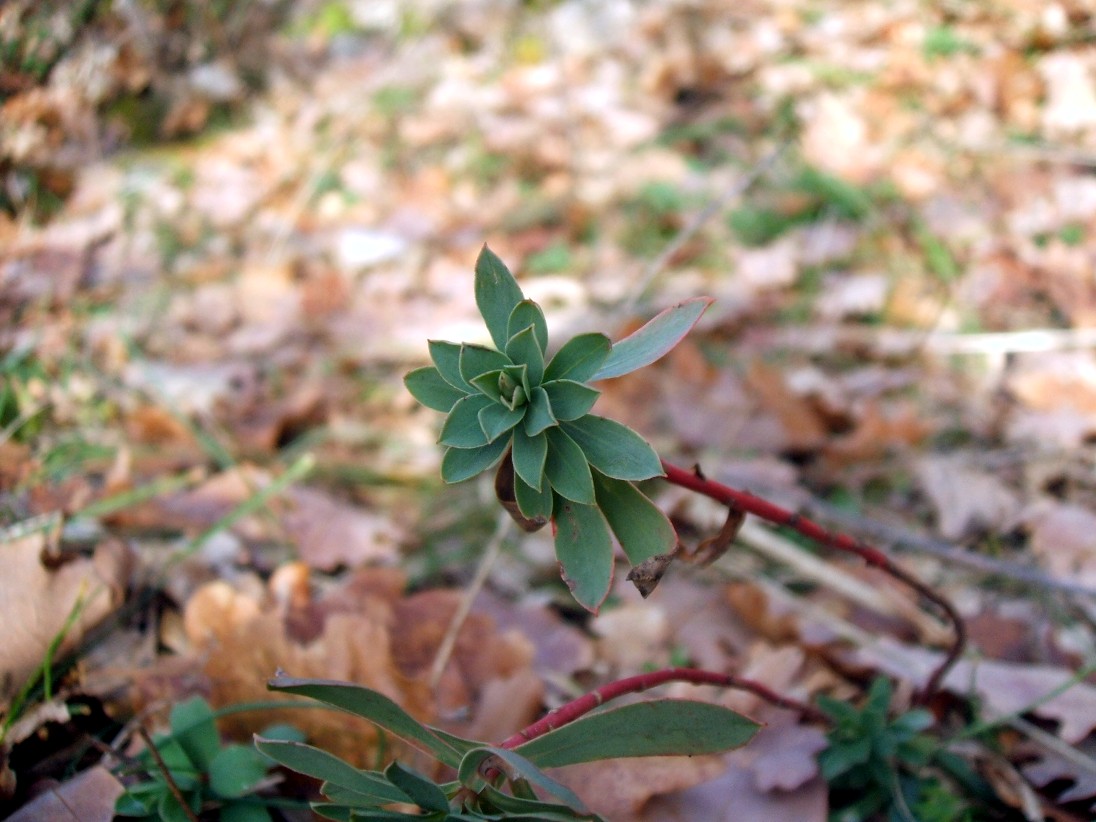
x: 210, y: 468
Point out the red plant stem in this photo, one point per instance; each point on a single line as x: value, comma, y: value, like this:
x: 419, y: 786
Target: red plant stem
x: 641, y: 682
x: 830, y: 539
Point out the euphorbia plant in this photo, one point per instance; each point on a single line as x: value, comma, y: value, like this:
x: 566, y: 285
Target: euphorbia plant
x: 515, y: 404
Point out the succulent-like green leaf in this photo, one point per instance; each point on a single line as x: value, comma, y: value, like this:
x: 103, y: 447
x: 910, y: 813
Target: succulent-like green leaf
x: 497, y: 293
x: 528, y: 313
x: 319, y: 764
x: 372, y: 705
x: 446, y: 356
x: 237, y: 770
x: 423, y: 792
x: 569, y: 399
x: 469, y: 773
x: 429, y: 387
x: 567, y: 469
x: 641, y: 528
x: 579, y: 358
x: 649, y: 343
x: 614, y: 449
x: 585, y: 552
x: 519, y: 373
x: 540, y: 417
x: 533, y: 503
x: 488, y: 384
x: 462, y: 427
x: 529, y: 455
x: 195, y: 731
x: 496, y: 420
x: 660, y: 727
x: 460, y: 464
x: 479, y: 359
x: 524, y: 348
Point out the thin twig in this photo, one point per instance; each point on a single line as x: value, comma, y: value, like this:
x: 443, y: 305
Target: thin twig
x: 943, y: 550
x: 178, y: 794
x: 834, y: 540
x: 449, y: 641
x: 642, y: 682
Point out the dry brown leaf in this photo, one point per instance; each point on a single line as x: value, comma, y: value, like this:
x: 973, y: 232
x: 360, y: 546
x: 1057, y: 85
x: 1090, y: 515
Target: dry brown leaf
x: 38, y: 600
x: 967, y: 500
x: 803, y: 429
x: 329, y: 533
x: 1062, y: 540
x: 618, y: 789
x: 87, y: 797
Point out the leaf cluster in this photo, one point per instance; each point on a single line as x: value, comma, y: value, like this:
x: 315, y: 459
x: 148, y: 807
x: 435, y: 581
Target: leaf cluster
x: 492, y: 782
x: 515, y: 406
x: 876, y: 765
x: 207, y: 773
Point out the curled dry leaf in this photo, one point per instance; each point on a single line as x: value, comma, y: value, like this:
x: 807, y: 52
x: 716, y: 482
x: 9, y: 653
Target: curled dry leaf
x: 965, y: 498
x: 38, y: 601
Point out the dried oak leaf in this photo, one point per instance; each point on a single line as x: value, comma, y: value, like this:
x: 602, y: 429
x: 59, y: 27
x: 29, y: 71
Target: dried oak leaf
x: 38, y: 600
x: 965, y: 498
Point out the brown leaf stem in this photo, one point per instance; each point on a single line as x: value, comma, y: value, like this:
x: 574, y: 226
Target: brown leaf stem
x: 642, y: 682
x: 694, y: 481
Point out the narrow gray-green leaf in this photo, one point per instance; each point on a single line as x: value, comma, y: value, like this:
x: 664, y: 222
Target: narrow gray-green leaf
x: 641, y: 528
x: 460, y: 464
x: 532, y: 503
x: 528, y: 313
x: 529, y: 456
x: 579, y: 358
x: 431, y: 389
x: 585, y: 552
x: 479, y: 359
x: 319, y: 764
x: 372, y: 705
x: 567, y: 469
x: 462, y: 427
x: 661, y: 727
x: 497, y: 293
x: 540, y: 415
x: 570, y: 400
x: 649, y: 343
x: 423, y: 792
x: 524, y: 347
x: 496, y: 420
x: 614, y: 449
x: 446, y: 356
x: 520, y: 767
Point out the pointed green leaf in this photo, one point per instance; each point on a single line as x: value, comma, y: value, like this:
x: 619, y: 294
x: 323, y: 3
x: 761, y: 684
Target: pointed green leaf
x: 319, y: 764
x: 496, y: 420
x: 519, y: 767
x: 460, y: 464
x: 533, y: 504
x: 195, y: 731
x: 661, y: 727
x: 585, y: 552
x: 570, y: 400
x: 540, y: 415
x: 528, y: 313
x: 654, y: 339
x: 371, y: 705
x: 524, y: 348
x: 429, y: 387
x: 236, y: 771
x: 614, y: 449
x: 519, y: 373
x: 462, y: 427
x: 479, y: 359
x: 488, y: 384
x: 497, y: 293
x: 641, y: 528
x: 423, y: 791
x: 446, y: 356
x: 529, y: 455
x: 579, y: 358
x: 567, y: 469
x: 533, y: 809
